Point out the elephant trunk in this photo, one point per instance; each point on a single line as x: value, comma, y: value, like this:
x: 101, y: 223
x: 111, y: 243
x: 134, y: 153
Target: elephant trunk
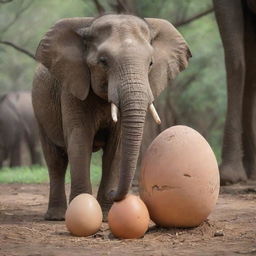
x: 134, y: 102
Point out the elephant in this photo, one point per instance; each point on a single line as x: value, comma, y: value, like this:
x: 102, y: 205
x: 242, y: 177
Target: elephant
x: 18, y: 124
x: 94, y: 83
x: 236, y: 20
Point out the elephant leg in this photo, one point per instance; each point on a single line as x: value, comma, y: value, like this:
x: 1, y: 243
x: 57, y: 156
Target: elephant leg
x: 110, y: 170
x: 36, y: 158
x: 231, y: 168
x: 79, y: 153
x: 34, y: 152
x: 56, y: 160
x: 15, y: 154
x: 249, y: 111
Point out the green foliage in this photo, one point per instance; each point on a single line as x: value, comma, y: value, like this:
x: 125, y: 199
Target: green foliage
x: 174, y: 10
x: 202, y: 103
x: 16, y: 68
x: 199, y: 93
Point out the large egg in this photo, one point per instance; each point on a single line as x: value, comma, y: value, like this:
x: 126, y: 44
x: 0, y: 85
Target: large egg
x: 83, y: 216
x: 128, y: 218
x: 179, y: 178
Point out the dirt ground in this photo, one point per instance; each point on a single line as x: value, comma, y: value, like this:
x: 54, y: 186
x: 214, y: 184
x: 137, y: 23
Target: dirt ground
x: 230, y: 229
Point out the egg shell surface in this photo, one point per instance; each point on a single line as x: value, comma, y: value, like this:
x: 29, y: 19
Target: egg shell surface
x: 128, y: 218
x: 179, y: 180
x: 83, y: 216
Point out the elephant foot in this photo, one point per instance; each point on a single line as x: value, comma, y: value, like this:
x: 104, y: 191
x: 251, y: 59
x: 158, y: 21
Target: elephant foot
x: 55, y: 213
x: 105, y: 209
x: 250, y: 168
x: 252, y: 176
x: 231, y: 173
x: 105, y: 215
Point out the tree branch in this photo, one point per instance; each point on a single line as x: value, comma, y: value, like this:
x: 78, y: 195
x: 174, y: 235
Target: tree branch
x: 124, y: 6
x: 195, y: 17
x: 119, y: 7
x: 18, y: 48
x: 181, y: 12
x: 5, y: 1
x: 100, y: 8
x: 16, y: 17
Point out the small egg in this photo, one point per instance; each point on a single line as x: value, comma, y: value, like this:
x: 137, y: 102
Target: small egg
x: 179, y: 180
x: 128, y: 218
x: 83, y: 216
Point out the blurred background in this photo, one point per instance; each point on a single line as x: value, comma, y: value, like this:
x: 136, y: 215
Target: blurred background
x: 197, y: 98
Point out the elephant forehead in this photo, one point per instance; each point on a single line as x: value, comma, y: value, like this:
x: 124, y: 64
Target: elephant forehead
x: 128, y: 41
x: 121, y: 23
x: 115, y: 19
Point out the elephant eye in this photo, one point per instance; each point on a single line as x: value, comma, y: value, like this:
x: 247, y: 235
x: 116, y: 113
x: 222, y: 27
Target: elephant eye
x: 103, y: 61
x: 151, y: 63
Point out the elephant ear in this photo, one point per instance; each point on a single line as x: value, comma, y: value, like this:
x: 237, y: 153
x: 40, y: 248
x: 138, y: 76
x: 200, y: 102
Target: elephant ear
x: 62, y: 51
x: 171, y: 54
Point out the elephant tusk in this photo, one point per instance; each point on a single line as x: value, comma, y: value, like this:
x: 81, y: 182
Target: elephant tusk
x: 114, y: 112
x: 154, y: 113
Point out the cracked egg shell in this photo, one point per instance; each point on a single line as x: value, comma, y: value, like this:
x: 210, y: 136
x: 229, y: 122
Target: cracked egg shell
x: 179, y: 180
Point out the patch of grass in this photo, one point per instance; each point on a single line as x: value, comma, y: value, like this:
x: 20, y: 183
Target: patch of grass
x: 34, y: 174
x: 39, y: 174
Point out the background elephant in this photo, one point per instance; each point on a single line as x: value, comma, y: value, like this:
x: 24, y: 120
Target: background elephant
x: 93, y: 69
x: 236, y: 20
x: 17, y: 125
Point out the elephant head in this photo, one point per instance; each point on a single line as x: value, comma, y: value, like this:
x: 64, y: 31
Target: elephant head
x: 125, y: 60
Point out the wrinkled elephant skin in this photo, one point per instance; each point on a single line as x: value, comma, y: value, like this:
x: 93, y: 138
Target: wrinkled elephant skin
x: 87, y: 66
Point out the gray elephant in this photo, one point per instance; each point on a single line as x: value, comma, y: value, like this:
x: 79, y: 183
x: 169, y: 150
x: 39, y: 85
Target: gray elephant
x: 96, y: 81
x: 236, y: 20
x: 17, y: 125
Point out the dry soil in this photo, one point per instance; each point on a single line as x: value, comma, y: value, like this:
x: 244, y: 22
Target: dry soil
x: 230, y: 229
